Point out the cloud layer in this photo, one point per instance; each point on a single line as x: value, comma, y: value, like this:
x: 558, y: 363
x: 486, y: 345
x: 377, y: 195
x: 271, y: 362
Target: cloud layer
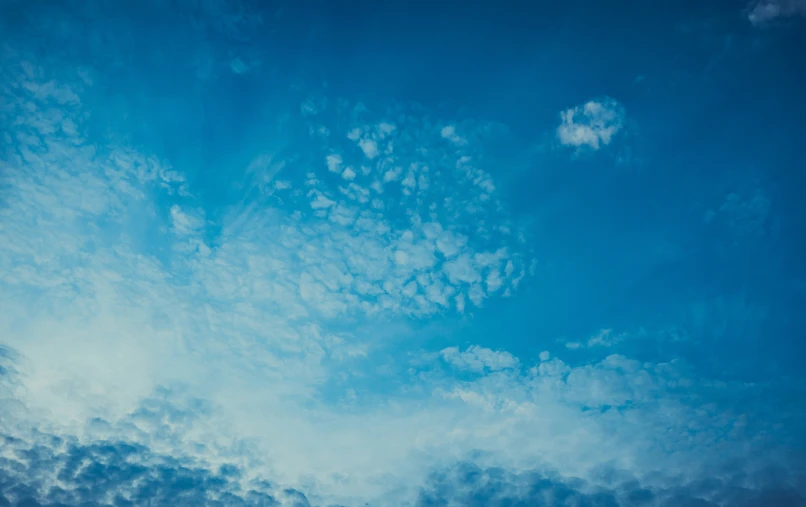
x: 270, y: 350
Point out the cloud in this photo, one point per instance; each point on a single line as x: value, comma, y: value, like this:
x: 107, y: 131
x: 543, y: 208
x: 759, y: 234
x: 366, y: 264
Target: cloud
x: 369, y: 147
x: 449, y: 132
x: 604, y: 338
x: 52, y: 470
x: 765, y: 11
x: 348, y: 174
x: 743, y: 217
x: 147, y: 290
x: 478, y: 359
x: 334, y: 162
x: 469, y: 485
x: 238, y: 66
x: 593, y: 124
x: 185, y: 223
x: 250, y: 365
x: 237, y: 19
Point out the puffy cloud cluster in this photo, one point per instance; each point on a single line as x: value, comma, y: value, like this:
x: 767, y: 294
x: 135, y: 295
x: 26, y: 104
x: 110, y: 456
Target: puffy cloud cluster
x: 592, y: 125
x: 660, y: 439
x: 470, y: 485
x: 478, y: 359
x: 55, y: 471
x: 401, y: 221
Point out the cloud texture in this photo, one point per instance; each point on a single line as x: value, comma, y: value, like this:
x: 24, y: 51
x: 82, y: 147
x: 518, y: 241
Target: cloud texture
x: 287, y: 346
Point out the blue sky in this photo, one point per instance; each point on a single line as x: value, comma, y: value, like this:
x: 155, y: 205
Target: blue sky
x: 389, y: 253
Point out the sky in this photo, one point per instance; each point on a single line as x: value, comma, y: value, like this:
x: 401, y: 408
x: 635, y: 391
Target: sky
x: 387, y: 253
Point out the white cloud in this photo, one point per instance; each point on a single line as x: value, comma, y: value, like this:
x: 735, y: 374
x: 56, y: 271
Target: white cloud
x: 462, y: 270
x: 603, y: 338
x: 449, y: 132
x: 764, y: 11
x: 183, y: 222
x: 334, y: 162
x: 320, y: 201
x: 392, y: 174
x: 348, y: 174
x: 592, y: 124
x: 369, y: 147
x: 386, y: 128
x: 478, y: 359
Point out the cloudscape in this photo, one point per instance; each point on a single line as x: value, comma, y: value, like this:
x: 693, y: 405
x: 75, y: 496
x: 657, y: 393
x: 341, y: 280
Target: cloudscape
x: 389, y: 253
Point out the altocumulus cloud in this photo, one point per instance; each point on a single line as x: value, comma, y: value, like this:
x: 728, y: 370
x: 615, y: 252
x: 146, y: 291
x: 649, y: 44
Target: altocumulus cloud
x: 593, y: 124
x: 155, y: 354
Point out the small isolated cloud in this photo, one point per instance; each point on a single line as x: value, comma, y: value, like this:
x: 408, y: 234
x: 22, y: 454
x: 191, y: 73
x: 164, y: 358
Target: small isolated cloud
x: 334, y: 162
x: 767, y: 10
x: 369, y: 147
x: 592, y: 124
x: 348, y: 174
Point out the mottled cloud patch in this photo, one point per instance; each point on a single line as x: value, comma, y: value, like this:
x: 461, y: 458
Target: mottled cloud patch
x: 449, y: 132
x: 167, y: 351
x: 149, y: 291
x: 52, y: 470
x: 743, y: 216
x: 468, y: 484
x: 417, y: 209
x: 591, y: 125
x: 478, y: 359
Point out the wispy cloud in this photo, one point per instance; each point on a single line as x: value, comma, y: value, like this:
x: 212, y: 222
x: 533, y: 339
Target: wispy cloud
x: 744, y: 216
x: 764, y: 11
x: 238, y: 66
x: 604, y: 338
